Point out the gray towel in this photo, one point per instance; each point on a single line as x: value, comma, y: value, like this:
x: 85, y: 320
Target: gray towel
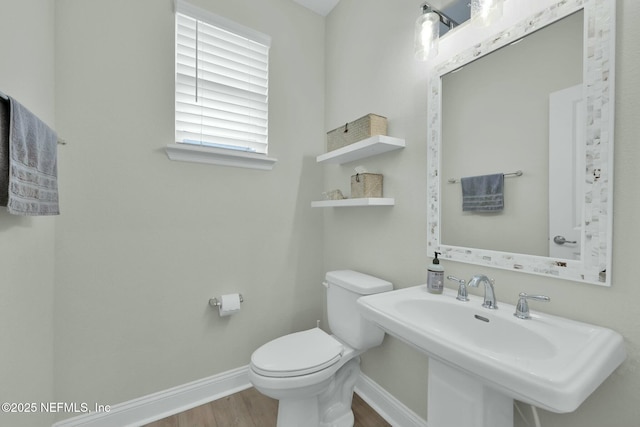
x: 483, y: 193
x: 4, y: 152
x: 33, y: 170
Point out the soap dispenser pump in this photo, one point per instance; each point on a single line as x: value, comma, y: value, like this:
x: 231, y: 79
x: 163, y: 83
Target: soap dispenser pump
x: 435, y: 276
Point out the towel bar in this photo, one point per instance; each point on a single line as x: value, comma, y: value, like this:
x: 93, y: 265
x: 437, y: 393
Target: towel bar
x: 516, y: 173
x: 6, y: 98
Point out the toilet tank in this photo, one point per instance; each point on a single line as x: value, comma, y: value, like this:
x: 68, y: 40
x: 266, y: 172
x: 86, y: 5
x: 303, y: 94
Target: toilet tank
x: 344, y: 287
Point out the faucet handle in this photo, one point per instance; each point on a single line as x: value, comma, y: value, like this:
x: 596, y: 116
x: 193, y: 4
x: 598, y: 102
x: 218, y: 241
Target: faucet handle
x: 522, y: 308
x: 462, y: 288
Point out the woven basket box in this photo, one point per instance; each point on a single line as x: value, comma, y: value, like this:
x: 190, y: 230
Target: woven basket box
x: 357, y: 130
x: 366, y: 185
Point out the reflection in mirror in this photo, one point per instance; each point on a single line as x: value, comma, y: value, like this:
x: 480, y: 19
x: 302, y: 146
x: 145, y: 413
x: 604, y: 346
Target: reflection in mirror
x: 505, y: 109
x: 495, y: 118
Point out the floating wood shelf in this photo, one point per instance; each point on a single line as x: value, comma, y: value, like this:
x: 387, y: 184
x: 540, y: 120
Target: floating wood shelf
x: 375, y: 145
x: 365, y: 201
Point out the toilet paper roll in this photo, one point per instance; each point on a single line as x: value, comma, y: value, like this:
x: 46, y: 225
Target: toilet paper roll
x: 230, y: 304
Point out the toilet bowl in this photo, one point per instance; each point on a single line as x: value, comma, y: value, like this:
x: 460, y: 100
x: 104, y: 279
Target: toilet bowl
x: 313, y: 373
x: 303, y: 371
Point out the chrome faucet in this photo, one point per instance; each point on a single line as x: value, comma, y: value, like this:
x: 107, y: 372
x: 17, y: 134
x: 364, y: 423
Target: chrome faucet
x: 489, y: 294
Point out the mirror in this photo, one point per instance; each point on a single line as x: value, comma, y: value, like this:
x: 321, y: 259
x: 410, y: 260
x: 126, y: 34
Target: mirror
x: 509, y: 114
x: 494, y: 109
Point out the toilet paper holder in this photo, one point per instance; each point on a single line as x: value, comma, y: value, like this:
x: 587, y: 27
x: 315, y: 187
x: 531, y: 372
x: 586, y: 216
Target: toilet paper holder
x: 216, y: 303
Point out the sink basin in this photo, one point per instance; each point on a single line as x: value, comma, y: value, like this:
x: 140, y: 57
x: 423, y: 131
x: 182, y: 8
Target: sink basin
x: 547, y: 361
x: 475, y: 329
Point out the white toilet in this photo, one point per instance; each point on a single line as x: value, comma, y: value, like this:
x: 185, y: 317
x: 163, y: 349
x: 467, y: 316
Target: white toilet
x: 312, y: 373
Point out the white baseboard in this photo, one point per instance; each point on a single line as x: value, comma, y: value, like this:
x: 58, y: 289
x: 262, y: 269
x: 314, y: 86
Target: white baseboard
x: 387, y: 406
x: 165, y: 403
x: 159, y: 405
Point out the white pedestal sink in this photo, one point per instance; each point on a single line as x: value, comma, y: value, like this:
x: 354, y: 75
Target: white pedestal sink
x: 481, y: 359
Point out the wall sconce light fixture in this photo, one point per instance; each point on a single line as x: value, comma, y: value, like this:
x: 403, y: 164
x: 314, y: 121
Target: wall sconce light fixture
x: 427, y: 31
x: 486, y: 12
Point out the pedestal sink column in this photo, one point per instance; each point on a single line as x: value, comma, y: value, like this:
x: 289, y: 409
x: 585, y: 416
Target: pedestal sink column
x: 457, y: 399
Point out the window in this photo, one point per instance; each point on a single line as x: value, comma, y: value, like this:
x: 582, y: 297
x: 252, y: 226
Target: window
x: 222, y: 75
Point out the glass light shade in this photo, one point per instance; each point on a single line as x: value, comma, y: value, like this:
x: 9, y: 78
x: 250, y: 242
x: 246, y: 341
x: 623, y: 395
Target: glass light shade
x: 486, y: 12
x: 427, y: 32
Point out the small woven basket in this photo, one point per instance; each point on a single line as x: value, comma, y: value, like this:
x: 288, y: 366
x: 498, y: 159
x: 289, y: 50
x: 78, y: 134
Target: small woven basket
x: 357, y: 130
x: 366, y: 185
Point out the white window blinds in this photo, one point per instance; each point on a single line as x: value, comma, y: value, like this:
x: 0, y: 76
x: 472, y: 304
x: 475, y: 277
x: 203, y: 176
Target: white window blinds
x: 221, y: 82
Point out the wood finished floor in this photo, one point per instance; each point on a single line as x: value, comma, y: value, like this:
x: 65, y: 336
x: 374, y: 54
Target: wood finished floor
x: 249, y: 408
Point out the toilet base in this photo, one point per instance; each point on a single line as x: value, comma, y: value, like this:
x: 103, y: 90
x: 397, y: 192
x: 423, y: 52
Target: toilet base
x: 298, y: 412
x: 330, y: 408
x: 335, y: 401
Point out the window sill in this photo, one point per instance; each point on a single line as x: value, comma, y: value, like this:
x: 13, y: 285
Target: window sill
x: 219, y: 156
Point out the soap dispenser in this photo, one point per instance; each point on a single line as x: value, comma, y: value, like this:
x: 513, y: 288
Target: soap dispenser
x: 435, y: 276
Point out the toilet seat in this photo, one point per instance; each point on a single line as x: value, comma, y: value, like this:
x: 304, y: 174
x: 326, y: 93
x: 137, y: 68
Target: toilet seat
x: 300, y: 353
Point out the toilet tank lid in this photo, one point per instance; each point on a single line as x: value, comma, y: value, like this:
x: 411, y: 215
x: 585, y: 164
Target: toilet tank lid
x: 360, y: 283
